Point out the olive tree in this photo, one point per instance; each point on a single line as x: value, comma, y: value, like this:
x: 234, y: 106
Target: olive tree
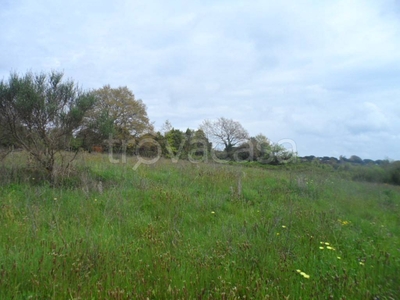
x: 40, y: 113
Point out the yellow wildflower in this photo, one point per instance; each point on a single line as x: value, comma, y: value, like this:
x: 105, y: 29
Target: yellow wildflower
x: 305, y: 275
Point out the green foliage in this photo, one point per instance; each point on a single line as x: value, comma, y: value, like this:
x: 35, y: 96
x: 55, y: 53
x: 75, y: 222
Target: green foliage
x: 260, y: 149
x: 174, y: 142
x: 40, y: 113
x: 275, y: 154
x: 394, y: 173
x: 204, y: 231
x: 385, y: 173
x: 177, y: 145
x: 119, y: 114
x: 370, y: 173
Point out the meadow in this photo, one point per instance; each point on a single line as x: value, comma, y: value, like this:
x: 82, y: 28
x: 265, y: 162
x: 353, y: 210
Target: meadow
x: 196, y: 231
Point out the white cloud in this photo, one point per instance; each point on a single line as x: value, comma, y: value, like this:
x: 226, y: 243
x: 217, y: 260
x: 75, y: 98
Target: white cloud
x: 368, y: 118
x: 323, y: 73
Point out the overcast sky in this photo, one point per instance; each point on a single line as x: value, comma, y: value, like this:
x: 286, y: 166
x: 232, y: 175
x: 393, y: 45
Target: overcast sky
x: 325, y: 74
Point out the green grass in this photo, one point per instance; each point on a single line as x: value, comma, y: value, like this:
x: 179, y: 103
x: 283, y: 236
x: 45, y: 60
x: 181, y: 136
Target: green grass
x: 198, y: 231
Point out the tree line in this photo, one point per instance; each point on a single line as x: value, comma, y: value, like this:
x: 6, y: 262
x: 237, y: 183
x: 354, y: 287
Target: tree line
x: 47, y: 116
x: 53, y: 120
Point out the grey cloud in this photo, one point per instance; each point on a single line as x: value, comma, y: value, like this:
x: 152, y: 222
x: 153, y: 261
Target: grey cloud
x: 324, y: 74
x: 368, y: 118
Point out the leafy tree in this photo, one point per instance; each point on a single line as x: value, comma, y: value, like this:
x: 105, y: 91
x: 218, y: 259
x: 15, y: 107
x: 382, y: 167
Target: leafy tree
x: 150, y: 145
x: 174, y: 142
x: 226, y: 132
x: 394, y: 171
x: 87, y: 138
x: 166, y: 127
x: 355, y: 159
x: 262, y: 146
x: 40, y: 112
x: 6, y: 142
x: 368, y: 161
x: 199, y: 144
x: 117, y: 112
x: 6, y: 139
x: 266, y: 152
x: 278, y: 154
x: 200, y: 136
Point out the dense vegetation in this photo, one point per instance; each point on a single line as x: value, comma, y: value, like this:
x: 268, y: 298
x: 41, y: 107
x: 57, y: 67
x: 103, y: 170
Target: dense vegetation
x: 196, y: 231
x: 379, y: 171
x: 211, y: 213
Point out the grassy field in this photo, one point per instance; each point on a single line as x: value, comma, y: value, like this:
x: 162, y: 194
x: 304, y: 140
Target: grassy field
x: 197, y: 231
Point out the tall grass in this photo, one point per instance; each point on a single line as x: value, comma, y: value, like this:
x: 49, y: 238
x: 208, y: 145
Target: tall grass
x: 197, y: 231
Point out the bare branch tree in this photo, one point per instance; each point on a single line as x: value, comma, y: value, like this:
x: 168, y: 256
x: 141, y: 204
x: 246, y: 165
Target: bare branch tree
x: 226, y: 132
